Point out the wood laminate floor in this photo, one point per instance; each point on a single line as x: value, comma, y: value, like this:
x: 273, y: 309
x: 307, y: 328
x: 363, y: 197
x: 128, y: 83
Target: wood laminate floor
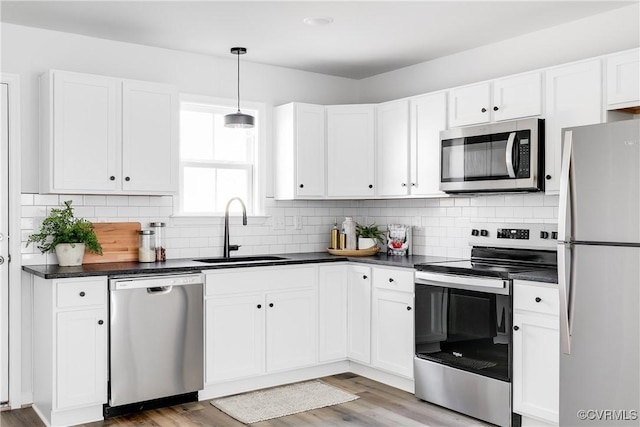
x: 378, y: 405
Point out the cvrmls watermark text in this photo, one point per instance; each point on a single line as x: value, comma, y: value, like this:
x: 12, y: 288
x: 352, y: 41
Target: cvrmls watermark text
x: 608, y: 414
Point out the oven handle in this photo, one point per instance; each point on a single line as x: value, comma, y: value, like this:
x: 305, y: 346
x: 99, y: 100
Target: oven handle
x: 509, y: 155
x: 450, y: 281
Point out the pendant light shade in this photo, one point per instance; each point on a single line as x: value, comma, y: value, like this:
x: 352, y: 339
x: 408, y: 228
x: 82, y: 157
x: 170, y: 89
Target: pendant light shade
x: 238, y: 119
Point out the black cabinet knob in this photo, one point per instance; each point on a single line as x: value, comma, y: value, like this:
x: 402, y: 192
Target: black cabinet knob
x: 301, y: 185
x: 82, y: 293
x: 484, y: 110
x: 364, y: 277
x: 390, y: 279
x: 259, y: 306
x: 112, y: 178
x: 404, y: 185
x: 270, y: 304
x: 100, y: 322
x: 413, y: 184
x: 370, y: 185
x: 548, y: 177
x: 495, y: 108
x: 538, y: 299
x: 408, y: 308
x: 126, y: 178
x: 516, y: 328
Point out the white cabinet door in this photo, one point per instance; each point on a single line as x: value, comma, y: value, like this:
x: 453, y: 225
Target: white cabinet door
x: 350, y: 151
x: 623, y: 80
x: 535, y: 366
x: 573, y: 98
x: 428, y: 118
x: 310, y: 150
x: 291, y: 335
x: 359, y: 314
x: 392, y: 332
x: 393, y: 148
x: 149, y: 137
x: 517, y: 96
x: 81, y: 356
x: 332, y: 313
x: 234, y: 337
x: 81, y: 153
x: 469, y: 105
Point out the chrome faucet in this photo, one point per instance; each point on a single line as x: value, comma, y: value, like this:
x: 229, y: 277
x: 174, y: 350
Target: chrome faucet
x: 227, y: 247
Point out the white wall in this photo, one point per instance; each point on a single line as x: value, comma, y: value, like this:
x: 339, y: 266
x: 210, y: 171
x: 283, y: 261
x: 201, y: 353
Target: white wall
x: 30, y: 52
x: 608, y: 32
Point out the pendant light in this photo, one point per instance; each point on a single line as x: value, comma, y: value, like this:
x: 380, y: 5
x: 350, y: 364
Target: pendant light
x: 238, y: 120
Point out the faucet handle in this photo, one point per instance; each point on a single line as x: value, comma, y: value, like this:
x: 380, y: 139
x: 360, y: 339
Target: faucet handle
x: 234, y: 247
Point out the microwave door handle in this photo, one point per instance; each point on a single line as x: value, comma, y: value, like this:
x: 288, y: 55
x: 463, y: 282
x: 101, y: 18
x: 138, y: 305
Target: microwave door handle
x: 509, y: 155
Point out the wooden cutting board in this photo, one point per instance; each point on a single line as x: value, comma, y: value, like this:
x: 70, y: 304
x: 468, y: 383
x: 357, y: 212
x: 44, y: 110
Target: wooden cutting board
x: 119, y: 240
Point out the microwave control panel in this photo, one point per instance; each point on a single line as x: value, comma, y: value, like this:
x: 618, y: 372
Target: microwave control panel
x: 524, y: 158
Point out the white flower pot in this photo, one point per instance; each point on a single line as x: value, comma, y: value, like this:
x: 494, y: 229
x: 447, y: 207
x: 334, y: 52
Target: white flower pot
x: 366, y: 243
x: 70, y: 254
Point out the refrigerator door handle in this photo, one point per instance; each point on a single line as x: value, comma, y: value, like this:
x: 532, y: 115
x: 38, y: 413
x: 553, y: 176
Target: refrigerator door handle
x: 509, y: 155
x: 564, y: 210
x: 565, y: 281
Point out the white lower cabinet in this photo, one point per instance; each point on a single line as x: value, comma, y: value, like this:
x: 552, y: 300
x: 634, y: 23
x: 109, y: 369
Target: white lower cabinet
x: 536, y: 352
x: 359, y: 314
x: 332, y: 312
x: 259, y: 320
x: 70, y: 349
x: 392, y: 324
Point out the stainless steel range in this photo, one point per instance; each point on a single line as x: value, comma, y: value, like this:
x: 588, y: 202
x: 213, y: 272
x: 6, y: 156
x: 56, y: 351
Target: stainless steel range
x: 463, y: 319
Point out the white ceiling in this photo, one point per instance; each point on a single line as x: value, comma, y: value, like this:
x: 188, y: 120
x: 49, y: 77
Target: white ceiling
x: 366, y: 37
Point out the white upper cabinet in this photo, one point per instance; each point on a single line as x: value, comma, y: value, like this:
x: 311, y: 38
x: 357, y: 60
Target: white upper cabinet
x: 623, y: 80
x: 428, y: 118
x: 573, y: 98
x: 102, y: 135
x: 300, y: 151
x: 350, y: 150
x: 393, y: 148
x: 502, y: 99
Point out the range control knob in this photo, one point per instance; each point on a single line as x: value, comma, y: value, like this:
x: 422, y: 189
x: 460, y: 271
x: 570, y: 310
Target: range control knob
x: 554, y: 235
x: 484, y: 233
x: 475, y: 232
x: 544, y: 234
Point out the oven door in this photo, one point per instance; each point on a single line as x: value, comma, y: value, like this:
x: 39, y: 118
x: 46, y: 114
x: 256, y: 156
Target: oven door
x: 464, y: 323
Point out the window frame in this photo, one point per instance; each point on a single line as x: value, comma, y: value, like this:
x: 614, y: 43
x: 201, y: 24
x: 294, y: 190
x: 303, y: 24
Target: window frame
x: 256, y: 176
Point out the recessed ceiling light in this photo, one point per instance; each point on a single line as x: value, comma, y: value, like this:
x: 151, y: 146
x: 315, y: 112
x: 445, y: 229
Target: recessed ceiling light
x: 318, y: 21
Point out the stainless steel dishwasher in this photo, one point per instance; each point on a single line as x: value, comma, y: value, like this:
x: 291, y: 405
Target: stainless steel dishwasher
x: 156, y: 341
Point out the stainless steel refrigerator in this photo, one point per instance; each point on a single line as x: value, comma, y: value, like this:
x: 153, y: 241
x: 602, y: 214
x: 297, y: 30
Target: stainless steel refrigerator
x: 599, y: 275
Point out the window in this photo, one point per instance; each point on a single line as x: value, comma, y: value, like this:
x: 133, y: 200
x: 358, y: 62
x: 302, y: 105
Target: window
x: 216, y: 163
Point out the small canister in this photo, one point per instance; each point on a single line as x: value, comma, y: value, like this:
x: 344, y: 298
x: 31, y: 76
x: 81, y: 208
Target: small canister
x: 160, y: 248
x: 146, y: 252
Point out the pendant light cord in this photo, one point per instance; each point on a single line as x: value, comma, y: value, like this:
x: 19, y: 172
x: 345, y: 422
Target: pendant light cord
x: 238, y: 55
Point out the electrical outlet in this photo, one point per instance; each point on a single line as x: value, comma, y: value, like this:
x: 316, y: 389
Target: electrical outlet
x: 297, y: 222
x: 278, y: 222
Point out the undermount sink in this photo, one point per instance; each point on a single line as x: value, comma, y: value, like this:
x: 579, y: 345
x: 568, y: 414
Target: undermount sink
x: 241, y: 259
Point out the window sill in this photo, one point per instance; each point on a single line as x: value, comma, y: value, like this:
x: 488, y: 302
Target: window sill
x: 195, y: 220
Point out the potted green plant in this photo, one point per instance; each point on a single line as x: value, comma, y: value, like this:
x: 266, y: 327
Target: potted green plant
x: 368, y: 236
x: 67, y: 235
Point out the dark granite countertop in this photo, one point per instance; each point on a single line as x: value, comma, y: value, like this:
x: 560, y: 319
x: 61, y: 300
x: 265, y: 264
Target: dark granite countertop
x: 546, y: 276
x: 187, y: 265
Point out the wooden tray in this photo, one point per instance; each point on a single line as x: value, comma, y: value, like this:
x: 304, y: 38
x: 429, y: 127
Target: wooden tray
x: 119, y: 242
x: 350, y: 252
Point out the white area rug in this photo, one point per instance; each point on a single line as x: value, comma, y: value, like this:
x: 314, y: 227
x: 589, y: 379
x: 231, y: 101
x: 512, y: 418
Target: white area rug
x: 280, y: 401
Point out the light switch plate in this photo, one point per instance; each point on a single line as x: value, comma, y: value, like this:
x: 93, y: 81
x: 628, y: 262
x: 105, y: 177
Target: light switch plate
x: 297, y: 222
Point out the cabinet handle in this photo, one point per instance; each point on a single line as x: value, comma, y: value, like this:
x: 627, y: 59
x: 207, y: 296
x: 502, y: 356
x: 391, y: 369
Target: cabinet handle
x: 516, y: 327
x: 82, y: 294
x: 548, y: 177
x: 408, y: 308
x: 126, y: 178
x: 301, y: 185
x: 484, y: 110
x: 413, y: 184
x: 100, y: 322
x: 404, y: 185
x: 495, y: 108
x: 259, y: 305
x: 370, y: 185
x: 390, y: 279
x: 364, y: 277
x: 270, y: 304
x: 112, y: 178
x: 538, y: 299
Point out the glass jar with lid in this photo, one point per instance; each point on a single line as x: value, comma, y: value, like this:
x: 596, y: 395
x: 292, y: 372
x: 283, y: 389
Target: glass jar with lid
x: 160, y: 248
x: 146, y: 252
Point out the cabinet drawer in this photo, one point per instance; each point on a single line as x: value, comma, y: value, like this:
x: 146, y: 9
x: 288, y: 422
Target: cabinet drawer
x: 392, y: 279
x: 538, y: 299
x: 81, y: 293
x: 258, y: 279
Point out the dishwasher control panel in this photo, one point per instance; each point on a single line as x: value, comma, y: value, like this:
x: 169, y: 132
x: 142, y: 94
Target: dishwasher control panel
x: 157, y: 281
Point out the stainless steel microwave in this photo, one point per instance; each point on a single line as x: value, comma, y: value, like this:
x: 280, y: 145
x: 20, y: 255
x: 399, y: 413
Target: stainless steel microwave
x: 496, y: 157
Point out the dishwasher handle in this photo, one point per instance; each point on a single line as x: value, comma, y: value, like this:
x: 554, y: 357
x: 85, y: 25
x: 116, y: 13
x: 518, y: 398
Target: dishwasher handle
x: 159, y: 290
